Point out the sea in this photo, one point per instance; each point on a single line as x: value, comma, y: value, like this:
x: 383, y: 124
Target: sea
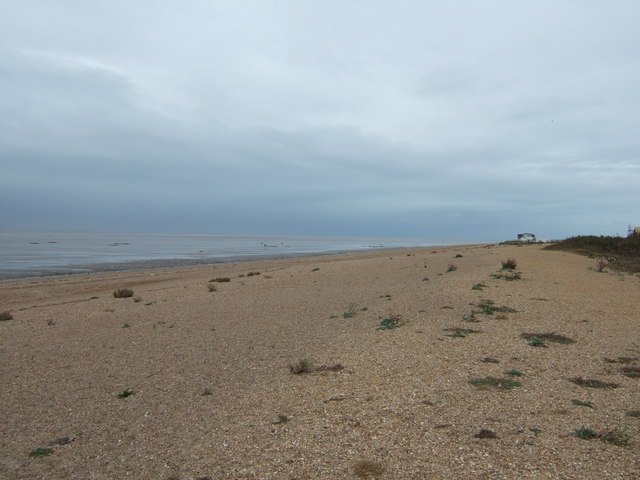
x: 40, y: 254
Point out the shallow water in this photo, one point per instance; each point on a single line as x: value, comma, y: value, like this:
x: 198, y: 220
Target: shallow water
x: 27, y: 254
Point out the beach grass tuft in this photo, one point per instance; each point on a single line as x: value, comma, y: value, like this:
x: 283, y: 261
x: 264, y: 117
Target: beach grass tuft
x: 509, y: 264
x: 304, y: 365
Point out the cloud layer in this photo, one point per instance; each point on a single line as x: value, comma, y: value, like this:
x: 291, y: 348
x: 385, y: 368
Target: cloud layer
x: 468, y: 120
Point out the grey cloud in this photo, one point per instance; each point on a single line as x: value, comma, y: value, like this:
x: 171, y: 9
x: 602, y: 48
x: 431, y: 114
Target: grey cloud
x: 469, y: 120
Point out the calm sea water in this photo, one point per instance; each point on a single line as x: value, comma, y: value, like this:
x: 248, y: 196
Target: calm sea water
x: 35, y: 254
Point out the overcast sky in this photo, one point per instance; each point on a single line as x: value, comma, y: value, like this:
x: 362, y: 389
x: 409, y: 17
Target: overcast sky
x: 470, y: 119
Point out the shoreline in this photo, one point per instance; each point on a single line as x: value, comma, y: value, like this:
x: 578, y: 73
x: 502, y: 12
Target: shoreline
x: 124, y: 267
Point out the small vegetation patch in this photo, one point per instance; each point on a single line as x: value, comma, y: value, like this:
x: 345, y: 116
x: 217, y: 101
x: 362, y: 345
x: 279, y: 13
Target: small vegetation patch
x: 458, y: 255
x: 488, y: 307
x: 123, y: 293
x: 592, y: 383
x: 126, y: 393
x: 549, y: 337
x: 5, y: 316
x: 471, y: 317
x: 633, y: 413
x: 509, y: 264
x: 62, y: 441
x: 618, y: 436
x: 252, y: 274
x: 394, y: 321
x: 490, y: 360
x: 537, y: 342
x: 365, y: 469
x: 515, y: 372
x: 507, y: 276
x: 304, y: 365
x: 281, y: 419
x: 212, y: 288
x: 41, y: 452
x: 494, y: 382
x: 580, y: 403
x: 601, y: 264
x: 484, y: 433
x: 585, y: 433
x: 631, y: 372
x: 451, y: 267
x: 459, y: 332
x: 351, y: 312
x: 206, y: 391
x: 478, y: 286
x: 624, y: 360
x: 220, y: 280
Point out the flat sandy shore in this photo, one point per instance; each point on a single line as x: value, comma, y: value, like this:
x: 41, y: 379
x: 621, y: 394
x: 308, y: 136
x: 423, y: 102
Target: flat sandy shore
x: 213, y: 395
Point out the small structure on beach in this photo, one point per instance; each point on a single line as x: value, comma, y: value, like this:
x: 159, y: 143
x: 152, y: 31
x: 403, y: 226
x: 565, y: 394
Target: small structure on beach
x: 527, y: 237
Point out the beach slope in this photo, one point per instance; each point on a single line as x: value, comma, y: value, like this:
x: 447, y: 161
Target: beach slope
x: 423, y: 363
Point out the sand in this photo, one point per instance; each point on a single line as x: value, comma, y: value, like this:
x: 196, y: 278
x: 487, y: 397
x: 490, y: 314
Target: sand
x: 214, y: 396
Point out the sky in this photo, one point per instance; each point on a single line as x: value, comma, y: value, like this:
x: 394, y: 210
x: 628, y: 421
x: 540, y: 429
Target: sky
x: 466, y: 119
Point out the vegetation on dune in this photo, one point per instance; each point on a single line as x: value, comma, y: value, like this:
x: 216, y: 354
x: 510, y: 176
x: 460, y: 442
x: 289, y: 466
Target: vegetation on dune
x: 622, y: 252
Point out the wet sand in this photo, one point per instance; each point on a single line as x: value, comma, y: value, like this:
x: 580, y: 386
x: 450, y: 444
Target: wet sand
x: 212, y: 394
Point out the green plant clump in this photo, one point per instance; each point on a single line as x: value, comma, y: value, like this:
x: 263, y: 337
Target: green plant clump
x: 537, y: 342
x: 585, y: 433
x: 41, y: 452
x: 394, y: 321
x: 487, y: 307
x: 126, y: 393
x: 509, y: 264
